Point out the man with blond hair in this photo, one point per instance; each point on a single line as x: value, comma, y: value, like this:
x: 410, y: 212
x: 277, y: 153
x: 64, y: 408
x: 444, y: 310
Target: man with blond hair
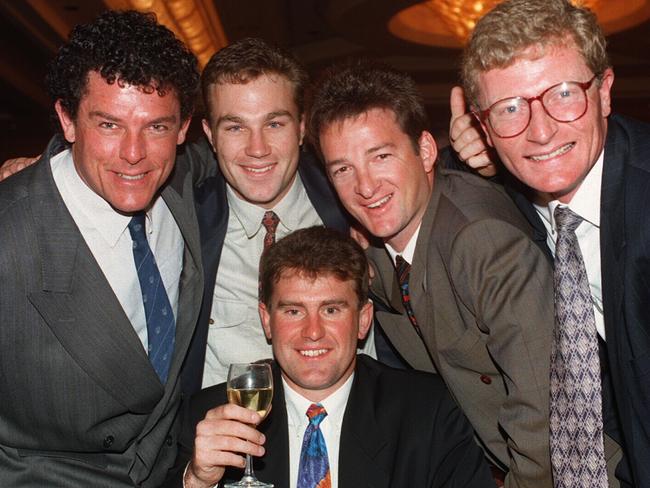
x: 538, y: 78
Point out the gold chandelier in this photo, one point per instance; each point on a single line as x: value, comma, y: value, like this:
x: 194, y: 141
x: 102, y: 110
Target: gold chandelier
x: 448, y: 23
x: 460, y: 16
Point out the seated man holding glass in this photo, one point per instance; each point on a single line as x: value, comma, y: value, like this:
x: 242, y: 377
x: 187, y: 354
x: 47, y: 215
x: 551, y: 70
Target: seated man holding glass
x: 338, y: 419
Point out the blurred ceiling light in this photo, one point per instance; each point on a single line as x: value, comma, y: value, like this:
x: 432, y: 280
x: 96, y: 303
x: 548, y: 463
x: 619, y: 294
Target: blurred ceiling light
x: 448, y: 23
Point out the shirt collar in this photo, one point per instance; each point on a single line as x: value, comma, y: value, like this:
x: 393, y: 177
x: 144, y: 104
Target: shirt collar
x: 409, y: 250
x: 586, y: 201
x: 110, y: 224
x: 250, y: 215
x: 334, y: 404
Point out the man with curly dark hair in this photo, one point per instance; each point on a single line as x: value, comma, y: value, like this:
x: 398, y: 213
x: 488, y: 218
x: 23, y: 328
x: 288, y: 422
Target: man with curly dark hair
x: 101, y: 266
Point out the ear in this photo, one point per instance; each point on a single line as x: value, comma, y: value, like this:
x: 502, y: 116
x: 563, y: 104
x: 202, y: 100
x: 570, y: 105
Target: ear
x: 604, y: 92
x: 67, y: 124
x: 428, y: 151
x: 302, y: 129
x: 365, y: 320
x: 183, y: 131
x: 265, y: 316
x: 205, y: 123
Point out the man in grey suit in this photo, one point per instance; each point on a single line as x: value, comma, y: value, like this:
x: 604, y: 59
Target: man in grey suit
x: 91, y: 346
x: 478, y: 300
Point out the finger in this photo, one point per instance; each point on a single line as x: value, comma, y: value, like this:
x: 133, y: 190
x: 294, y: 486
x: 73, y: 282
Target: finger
x: 210, y: 447
x: 457, y: 102
x: 229, y: 428
x: 234, y: 412
x: 468, y: 150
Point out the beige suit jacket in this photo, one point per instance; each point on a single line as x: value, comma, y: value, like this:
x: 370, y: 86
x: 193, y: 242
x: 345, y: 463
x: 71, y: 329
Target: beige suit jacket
x: 482, y: 293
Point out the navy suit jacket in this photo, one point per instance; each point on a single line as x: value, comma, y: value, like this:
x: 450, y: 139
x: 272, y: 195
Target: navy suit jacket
x: 625, y: 262
x: 212, y: 213
x: 400, y: 429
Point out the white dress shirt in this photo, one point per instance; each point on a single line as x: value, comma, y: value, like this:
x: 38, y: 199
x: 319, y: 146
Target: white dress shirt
x: 409, y: 251
x: 235, y: 332
x: 298, y: 421
x: 585, y: 203
x: 106, y: 234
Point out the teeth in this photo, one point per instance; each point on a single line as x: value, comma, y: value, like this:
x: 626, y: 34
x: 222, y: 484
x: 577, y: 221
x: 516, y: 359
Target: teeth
x: 312, y: 353
x: 131, y: 177
x: 260, y: 170
x: 379, y: 203
x: 557, y: 152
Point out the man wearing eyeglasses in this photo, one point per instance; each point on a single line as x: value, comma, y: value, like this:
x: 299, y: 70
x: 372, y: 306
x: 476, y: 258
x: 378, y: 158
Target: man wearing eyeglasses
x: 537, y: 75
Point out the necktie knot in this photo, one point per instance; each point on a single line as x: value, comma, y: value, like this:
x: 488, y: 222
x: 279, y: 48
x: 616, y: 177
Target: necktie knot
x: 316, y: 413
x: 137, y: 228
x: 566, y: 220
x: 403, y: 270
x: 270, y: 222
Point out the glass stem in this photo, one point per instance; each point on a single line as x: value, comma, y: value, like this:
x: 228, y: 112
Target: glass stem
x: 248, y: 471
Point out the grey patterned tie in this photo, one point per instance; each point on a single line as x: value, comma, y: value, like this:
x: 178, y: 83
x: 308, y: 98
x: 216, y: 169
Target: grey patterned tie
x: 577, y: 453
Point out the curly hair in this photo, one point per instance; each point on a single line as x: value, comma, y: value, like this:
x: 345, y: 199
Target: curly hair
x: 355, y: 87
x: 124, y: 47
x: 513, y: 26
x: 248, y: 59
x: 313, y: 252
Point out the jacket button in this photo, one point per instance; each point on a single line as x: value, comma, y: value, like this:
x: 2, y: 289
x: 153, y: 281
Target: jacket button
x: 486, y: 379
x: 108, y: 441
x: 169, y: 440
x: 211, y: 321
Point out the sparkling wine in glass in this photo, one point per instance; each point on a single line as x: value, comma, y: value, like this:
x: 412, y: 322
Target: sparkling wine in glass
x: 250, y: 386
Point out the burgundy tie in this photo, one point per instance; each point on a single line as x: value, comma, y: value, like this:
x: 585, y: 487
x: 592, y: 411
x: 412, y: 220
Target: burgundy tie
x: 270, y: 222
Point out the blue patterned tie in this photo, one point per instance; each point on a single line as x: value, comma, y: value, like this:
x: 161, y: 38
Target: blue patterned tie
x: 314, y: 470
x: 576, y: 420
x: 161, y: 327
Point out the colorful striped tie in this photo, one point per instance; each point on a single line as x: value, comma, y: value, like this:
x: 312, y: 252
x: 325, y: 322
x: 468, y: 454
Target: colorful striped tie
x: 314, y: 470
x: 161, y: 326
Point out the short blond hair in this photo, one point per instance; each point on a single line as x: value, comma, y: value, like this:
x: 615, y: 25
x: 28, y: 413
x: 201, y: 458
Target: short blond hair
x: 513, y: 26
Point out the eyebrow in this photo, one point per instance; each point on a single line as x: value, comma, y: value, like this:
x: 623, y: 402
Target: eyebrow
x: 336, y: 301
x: 239, y: 120
x: 367, y: 153
x: 104, y: 115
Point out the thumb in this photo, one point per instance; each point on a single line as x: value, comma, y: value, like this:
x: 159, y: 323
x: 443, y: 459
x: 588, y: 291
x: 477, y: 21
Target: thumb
x: 457, y: 102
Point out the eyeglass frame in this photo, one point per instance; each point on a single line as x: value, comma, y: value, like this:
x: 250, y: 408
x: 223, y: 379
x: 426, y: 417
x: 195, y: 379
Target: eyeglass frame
x: 483, y: 115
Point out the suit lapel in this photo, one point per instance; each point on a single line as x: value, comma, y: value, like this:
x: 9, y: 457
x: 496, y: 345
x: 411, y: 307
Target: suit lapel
x: 612, y: 229
x: 191, y: 282
x: 80, y: 307
x: 362, y: 441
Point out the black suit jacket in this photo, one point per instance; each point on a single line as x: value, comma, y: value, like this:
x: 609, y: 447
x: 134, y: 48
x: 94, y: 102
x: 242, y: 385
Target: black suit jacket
x: 625, y: 271
x: 400, y: 429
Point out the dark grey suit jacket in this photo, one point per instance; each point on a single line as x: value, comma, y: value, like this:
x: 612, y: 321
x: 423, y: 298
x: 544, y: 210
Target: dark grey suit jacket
x: 81, y: 404
x: 400, y: 429
x: 482, y: 293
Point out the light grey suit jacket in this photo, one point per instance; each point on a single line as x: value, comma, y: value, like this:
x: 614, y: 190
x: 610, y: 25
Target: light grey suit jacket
x: 482, y: 293
x: 80, y: 402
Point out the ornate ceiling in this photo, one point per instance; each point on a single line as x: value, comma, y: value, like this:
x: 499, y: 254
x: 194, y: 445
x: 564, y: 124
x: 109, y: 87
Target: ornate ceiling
x: 317, y: 31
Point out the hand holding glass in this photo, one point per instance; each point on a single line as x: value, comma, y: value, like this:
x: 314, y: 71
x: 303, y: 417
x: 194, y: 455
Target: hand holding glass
x: 250, y: 386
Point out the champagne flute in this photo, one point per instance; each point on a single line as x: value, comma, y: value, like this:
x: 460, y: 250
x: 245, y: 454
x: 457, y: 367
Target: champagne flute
x: 250, y: 386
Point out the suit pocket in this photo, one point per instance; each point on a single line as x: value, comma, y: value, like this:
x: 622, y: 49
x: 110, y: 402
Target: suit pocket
x: 226, y: 314
x: 97, y: 460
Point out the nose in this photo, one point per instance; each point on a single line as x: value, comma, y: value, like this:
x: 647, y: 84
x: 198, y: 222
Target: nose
x: 542, y: 126
x: 133, y: 147
x: 312, y: 328
x: 257, y: 146
x: 366, y: 183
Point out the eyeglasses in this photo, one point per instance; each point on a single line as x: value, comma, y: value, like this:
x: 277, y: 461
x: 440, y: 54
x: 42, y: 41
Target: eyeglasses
x: 564, y: 102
